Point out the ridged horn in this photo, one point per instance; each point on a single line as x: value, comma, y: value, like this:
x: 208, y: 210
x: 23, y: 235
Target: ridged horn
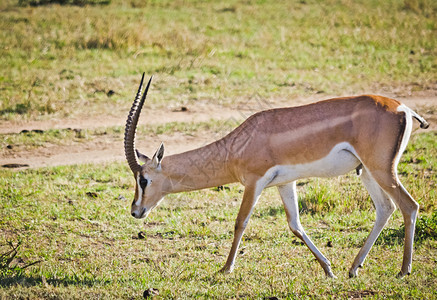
x: 131, y: 127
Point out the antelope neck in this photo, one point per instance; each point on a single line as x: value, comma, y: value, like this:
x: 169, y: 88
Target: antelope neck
x: 200, y: 168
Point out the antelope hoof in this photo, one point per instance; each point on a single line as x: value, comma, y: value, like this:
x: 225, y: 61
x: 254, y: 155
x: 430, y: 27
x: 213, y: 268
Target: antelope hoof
x: 329, y: 274
x: 226, y: 270
x: 402, y: 274
x: 353, y: 273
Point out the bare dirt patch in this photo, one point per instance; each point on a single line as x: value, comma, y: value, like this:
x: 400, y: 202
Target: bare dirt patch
x: 103, y: 149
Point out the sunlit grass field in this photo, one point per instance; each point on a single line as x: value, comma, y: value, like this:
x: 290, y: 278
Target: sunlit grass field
x: 64, y: 60
x: 66, y: 232
x: 75, y: 223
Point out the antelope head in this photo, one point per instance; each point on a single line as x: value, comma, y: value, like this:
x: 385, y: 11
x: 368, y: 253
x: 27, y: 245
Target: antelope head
x: 148, y: 177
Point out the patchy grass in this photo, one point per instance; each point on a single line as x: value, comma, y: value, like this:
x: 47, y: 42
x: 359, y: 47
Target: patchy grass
x: 65, y: 61
x: 76, y: 221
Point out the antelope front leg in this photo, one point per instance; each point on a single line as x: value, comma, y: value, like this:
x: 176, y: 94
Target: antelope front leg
x: 250, y: 198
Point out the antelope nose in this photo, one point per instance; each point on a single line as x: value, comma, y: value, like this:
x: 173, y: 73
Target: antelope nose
x: 138, y: 214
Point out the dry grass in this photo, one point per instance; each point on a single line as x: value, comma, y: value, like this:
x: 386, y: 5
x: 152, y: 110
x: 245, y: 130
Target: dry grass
x: 57, y: 60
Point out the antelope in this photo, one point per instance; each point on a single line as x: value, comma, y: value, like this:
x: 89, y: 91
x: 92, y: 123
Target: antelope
x: 276, y: 147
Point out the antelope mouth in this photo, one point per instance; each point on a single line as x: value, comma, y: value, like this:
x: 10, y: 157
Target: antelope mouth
x: 140, y: 214
x: 144, y: 213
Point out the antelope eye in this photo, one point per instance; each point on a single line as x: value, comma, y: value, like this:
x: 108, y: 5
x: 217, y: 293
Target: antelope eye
x: 143, y: 182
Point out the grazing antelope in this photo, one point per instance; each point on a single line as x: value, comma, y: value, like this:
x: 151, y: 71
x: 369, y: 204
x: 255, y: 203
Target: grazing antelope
x: 279, y: 146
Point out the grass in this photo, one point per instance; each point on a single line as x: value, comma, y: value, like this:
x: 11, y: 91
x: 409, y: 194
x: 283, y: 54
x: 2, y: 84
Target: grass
x: 67, y: 233
x: 76, y: 221
x: 70, y: 61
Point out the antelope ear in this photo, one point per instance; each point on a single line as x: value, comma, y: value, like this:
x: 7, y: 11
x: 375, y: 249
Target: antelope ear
x: 156, y: 160
x: 141, y: 156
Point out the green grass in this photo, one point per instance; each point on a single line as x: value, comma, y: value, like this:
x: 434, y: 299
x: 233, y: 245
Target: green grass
x: 76, y: 221
x: 63, y: 60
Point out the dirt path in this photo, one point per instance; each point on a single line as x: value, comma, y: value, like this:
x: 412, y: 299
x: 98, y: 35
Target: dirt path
x: 104, y: 149
x: 192, y: 114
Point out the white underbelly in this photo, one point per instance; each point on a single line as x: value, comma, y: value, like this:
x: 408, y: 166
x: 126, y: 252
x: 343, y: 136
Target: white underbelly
x: 340, y: 160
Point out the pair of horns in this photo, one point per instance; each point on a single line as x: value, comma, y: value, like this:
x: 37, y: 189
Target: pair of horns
x: 131, y: 127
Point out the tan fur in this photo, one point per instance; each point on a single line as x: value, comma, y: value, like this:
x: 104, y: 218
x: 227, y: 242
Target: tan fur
x: 293, y: 135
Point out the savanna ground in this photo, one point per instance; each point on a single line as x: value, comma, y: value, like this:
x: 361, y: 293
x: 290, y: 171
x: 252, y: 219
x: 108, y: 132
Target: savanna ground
x: 68, y: 73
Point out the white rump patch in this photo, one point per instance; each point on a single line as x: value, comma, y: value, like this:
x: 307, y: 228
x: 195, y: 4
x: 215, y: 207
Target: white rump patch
x: 407, y: 132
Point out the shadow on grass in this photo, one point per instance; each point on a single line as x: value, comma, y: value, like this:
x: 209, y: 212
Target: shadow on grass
x: 25, y: 280
x: 426, y: 229
x: 13, y: 270
x: 391, y: 236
